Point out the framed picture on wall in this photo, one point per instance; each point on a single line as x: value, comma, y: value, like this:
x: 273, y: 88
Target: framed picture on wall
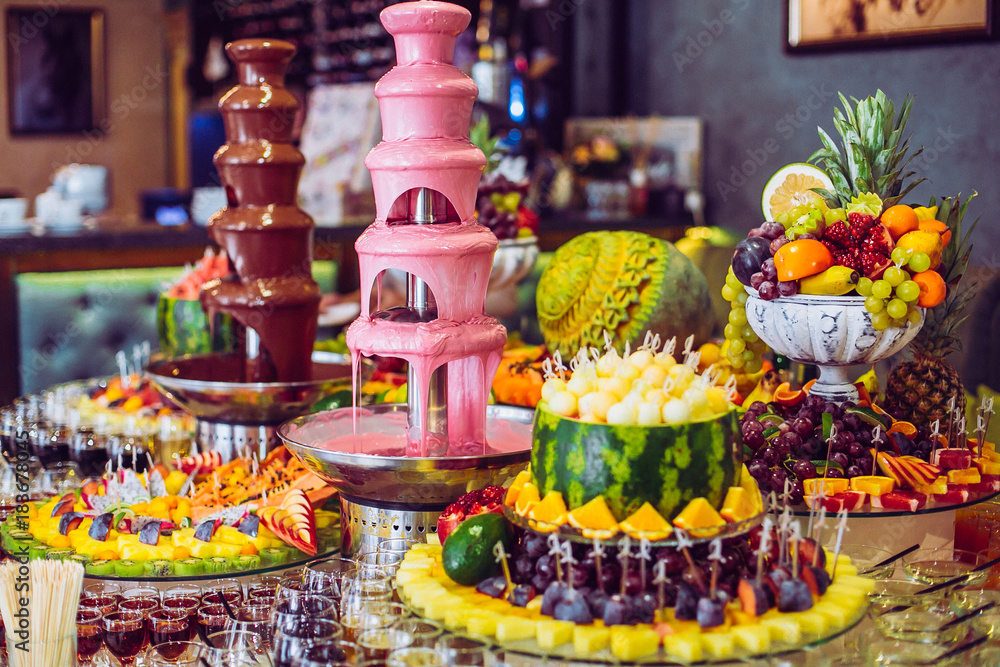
x: 842, y: 24
x: 55, y: 69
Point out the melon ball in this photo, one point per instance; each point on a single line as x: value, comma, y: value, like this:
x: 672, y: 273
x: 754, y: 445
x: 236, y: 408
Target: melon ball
x: 596, y: 404
x: 655, y: 397
x: 633, y: 398
x: 580, y: 384
x: 629, y: 372
x: 676, y: 411
x: 648, y: 414
x: 682, y: 376
x: 563, y: 403
x: 618, y: 386
x: 623, y: 413
x: 717, y: 399
x: 665, y: 360
x: 551, y: 387
x: 696, y: 398
x: 640, y: 359
x: 607, y: 365
x: 654, y: 374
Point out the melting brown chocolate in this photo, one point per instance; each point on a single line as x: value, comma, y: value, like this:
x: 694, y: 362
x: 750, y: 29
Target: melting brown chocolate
x: 267, y: 237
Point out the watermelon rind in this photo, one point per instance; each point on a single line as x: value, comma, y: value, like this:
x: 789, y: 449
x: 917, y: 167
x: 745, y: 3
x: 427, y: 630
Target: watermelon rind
x: 667, y: 466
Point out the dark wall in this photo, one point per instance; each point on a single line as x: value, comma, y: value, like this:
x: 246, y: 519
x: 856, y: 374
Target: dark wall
x: 761, y: 105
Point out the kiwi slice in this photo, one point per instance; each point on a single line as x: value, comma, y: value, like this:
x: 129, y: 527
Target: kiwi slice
x: 82, y: 559
x: 271, y: 556
x: 157, y: 567
x: 247, y: 562
x: 189, y: 567
x: 59, y: 554
x: 38, y: 550
x: 128, y: 568
x: 217, y: 565
x: 100, y: 568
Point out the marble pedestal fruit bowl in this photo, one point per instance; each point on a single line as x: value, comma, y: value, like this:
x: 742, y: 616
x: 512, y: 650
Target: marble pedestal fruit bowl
x: 833, y: 332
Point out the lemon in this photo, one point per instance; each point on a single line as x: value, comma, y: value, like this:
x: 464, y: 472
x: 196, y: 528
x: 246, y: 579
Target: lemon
x: 792, y: 186
x: 866, y: 203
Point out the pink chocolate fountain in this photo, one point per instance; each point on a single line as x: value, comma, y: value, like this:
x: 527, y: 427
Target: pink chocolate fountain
x: 398, y: 466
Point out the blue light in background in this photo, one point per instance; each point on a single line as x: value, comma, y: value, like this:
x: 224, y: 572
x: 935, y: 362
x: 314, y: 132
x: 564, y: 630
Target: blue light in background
x: 517, y: 108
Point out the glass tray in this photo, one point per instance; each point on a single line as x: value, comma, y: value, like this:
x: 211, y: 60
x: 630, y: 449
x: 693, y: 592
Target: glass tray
x: 568, y: 532
x: 931, y: 507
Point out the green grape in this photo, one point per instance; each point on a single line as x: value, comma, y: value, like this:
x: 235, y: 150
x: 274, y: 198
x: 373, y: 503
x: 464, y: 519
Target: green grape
x: 880, y: 321
x: 728, y: 293
x: 758, y: 346
x: 873, y: 304
x: 733, y: 281
x: 913, y: 316
x: 898, y: 321
x: 749, y: 335
x: 920, y: 262
x: 908, y: 291
x: 737, y: 362
x: 881, y: 289
x: 864, y: 286
x: 737, y: 345
x: 896, y: 308
x: 731, y: 332
x: 753, y: 365
x: 738, y: 317
x: 898, y: 255
x: 741, y: 298
x: 894, y: 276
x: 748, y: 355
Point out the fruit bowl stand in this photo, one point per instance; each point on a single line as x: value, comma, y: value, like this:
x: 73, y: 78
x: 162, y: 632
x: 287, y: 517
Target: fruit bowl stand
x: 832, y: 332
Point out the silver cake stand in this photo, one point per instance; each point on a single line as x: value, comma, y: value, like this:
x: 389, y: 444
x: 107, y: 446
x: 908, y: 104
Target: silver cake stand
x: 385, y: 497
x: 236, y: 418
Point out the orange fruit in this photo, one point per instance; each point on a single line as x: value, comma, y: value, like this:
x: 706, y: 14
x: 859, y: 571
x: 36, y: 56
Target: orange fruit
x: 60, y: 542
x: 801, y: 259
x: 787, y: 396
x: 646, y: 523
x: 108, y: 554
x: 899, y: 220
x: 939, y: 227
x: 248, y: 550
x: 181, y: 553
x: 932, y: 288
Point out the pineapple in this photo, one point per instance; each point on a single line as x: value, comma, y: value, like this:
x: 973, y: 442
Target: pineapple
x: 920, y: 390
x: 873, y: 158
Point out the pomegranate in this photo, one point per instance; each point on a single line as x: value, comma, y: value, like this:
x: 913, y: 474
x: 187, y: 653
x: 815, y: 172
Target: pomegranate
x: 483, y: 501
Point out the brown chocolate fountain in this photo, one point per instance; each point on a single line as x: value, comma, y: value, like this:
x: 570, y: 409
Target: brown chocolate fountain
x: 239, y: 398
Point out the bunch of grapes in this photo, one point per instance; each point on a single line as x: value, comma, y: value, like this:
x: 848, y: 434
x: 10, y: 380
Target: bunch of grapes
x: 892, y: 299
x: 745, y: 346
x: 498, y: 203
x: 790, y: 451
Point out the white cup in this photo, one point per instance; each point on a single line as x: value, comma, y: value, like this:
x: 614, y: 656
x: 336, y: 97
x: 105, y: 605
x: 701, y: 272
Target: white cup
x: 12, y: 211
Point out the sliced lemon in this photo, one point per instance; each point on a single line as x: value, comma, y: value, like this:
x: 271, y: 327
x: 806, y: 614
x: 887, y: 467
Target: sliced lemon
x: 792, y: 186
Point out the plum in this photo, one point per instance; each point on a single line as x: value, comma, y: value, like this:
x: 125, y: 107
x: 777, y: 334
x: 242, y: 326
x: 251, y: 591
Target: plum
x: 686, y: 607
x: 150, y: 533
x: 205, y: 530
x: 495, y: 587
x: 62, y: 507
x: 521, y: 595
x: 794, y: 595
x: 249, y: 525
x: 618, y: 611
x: 711, y: 613
x: 100, y: 527
x: 753, y: 597
x: 69, y: 521
x: 597, y: 599
x: 552, y: 596
x: 573, y: 607
x: 749, y: 256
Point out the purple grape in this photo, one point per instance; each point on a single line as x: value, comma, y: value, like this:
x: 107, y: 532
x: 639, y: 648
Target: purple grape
x: 790, y: 439
x: 854, y: 471
x: 752, y: 425
x: 838, y: 443
x: 802, y: 426
x: 756, y: 232
x: 777, y: 243
x: 769, y: 270
x: 835, y: 473
x: 804, y: 469
x: 840, y: 458
x: 770, y: 455
x: 833, y: 409
x: 773, y: 230
x: 813, y: 402
x: 753, y: 440
x: 756, y: 280
x: 809, y: 235
x: 758, y: 469
x: 811, y: 447
x: 851, y: 422
x: 788, y: 287
x: 760, y: 407
x: 778, y: 477
x: 855, y: 450
x: 767, y: 291
x: 865, y: 463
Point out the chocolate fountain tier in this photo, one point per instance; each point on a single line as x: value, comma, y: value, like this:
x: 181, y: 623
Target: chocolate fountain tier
x: 234, y: 415
x: 385, y: 494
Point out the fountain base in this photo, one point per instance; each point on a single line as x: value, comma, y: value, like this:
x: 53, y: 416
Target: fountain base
x: 385, y: 494
x: 236, y: 418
